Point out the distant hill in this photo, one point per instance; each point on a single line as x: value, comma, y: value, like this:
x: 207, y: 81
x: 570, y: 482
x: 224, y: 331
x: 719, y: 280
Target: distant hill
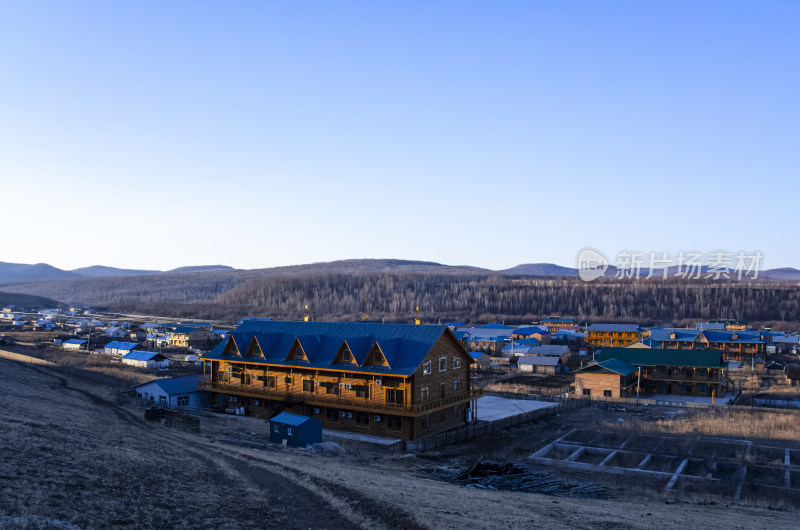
x: 39, y: 271
x: 29, y: 301
x: 787, y: 274
x: 540, y: 269
x: 352, y: 266
x: 100, y: 270
x: 200, y: 268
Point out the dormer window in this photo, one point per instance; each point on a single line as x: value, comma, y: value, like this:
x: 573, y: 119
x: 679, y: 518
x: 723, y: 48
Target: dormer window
x: 296, y: 352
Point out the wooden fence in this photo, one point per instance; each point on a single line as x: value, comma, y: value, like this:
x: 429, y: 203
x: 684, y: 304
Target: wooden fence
x: 24, y: 358
x: 676, y: 402
x: 474, y: 430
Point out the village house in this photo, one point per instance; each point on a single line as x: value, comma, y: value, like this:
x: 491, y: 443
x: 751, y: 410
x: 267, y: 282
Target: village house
x: 137, y: 335
x: 145, y: 359
x: 540, y: 365
x: 175, y: 392
x: 121, y: 348
x: 115, y: 332
x: 188, y: 336
x: 531, y: 332
x: 611, y: 378
x: 609, y: 335
x: 73, y: 344
x: 555, y: 324
x: 402, y: 381
x: 677, y: 372
x: 482, y: 360
x: 735, y: 345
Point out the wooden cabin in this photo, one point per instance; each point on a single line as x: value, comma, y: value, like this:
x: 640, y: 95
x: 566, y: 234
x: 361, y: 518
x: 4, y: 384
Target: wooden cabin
x: 608, y: 335
x: 611, y: 378
x: 396, y: 380
x: 677, y: 372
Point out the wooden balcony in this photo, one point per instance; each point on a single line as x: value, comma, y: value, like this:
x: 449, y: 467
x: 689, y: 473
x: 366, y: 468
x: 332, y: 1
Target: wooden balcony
x: 332, y: 400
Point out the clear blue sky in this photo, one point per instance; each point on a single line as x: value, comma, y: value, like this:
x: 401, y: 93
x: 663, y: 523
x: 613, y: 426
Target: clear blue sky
x: 254, y: 134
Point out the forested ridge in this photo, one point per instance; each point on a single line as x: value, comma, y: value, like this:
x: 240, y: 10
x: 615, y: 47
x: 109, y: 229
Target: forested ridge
x: 394, y: 297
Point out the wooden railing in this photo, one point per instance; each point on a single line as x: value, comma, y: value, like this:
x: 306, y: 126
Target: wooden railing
x: 329, y: 400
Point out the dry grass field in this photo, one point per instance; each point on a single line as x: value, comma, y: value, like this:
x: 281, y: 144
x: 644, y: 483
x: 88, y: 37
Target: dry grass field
x: 73, y: 457
x: 732, y: 423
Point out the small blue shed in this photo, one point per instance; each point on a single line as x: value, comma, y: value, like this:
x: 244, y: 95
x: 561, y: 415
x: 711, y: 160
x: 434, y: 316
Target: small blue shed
x: 295, y: 430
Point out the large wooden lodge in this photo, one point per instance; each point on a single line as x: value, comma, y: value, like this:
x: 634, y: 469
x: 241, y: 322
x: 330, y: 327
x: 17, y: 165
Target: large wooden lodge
x: 396, y: 380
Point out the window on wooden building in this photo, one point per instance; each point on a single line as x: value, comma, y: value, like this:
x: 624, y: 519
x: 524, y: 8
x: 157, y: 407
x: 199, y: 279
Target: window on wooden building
x: 271, y: 381
x: 442, y: 390
x: 426, y: 368
x: 425, y: 393
x: 290, y: 431
x: 456, y: 362
x: 362, y: 391
x: 457, y: 385
x: 183, y: 401
x: 331, y: 388
x: 362, y: 418
x: 332, y: 414
x: 394, y: 396
x: 457, y: 411
x: 587, y: 391
x: 276, y: 428
x: 442, y: 364
x: 246, y: 379
x: 394, y: 423
x: 308, y: 385
x: 607, y: 393
x: 426, y: 421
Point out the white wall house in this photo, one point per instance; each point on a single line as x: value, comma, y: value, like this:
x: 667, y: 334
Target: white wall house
x: 115, y: 333
x: 174, y: 392
x: 121, y: 348
x: 145, y: 359
x: 73, y: 344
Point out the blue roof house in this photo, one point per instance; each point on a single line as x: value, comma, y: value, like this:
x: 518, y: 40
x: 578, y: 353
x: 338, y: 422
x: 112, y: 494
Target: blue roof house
x: 174, y: 392
x: 294, y: 430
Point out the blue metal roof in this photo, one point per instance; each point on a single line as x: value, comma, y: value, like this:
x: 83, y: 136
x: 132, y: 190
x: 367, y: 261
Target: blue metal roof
x: 681, y: 335
x: 529, y: 330
x: 288, y: 418
x: 140, y: 355
x: 177, y: 385
x: 612, y: 365
x: 747, y: 337
x: 403, y: 345
x: 186, y: 329
x: 74, y: 341
x: 118, y: 345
